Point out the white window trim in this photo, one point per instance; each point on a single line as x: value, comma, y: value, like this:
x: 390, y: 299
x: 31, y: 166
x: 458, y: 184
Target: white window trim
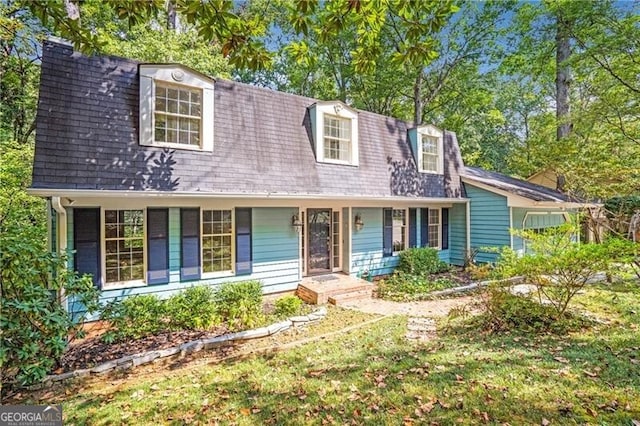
x: 432, y: 131
x: 406, y: 230
x: 219, y: 274
x: 439, y: 246
x: 116, y: 285
x: 337, y: 109
x: 178, y: 76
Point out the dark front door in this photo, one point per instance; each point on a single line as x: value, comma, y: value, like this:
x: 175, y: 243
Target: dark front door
x: 319, y: 237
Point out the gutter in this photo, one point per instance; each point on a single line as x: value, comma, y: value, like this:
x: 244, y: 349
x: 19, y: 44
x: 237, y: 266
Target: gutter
x: 62, y: 241
x: 41, y: 192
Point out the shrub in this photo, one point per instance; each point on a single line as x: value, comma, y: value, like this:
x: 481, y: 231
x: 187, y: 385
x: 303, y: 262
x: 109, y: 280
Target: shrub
x: 134, y: 317
x: 558, y: 266
x: 288, y: 306
x: 240, y: 304
x: 405, y: 287
x: 192, y: 309
x: 421, y: 261
x: 505, y: 311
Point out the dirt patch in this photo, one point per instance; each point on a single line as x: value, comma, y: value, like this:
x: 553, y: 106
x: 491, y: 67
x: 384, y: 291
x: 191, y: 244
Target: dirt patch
x: 93, y: 351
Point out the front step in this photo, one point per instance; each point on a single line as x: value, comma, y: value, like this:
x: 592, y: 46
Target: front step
x: 341, y: 299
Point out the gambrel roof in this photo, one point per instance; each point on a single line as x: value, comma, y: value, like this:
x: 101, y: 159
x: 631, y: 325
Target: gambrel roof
x: 87, y: 139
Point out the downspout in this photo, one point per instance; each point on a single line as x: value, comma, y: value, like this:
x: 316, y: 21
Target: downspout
x: 61, y: 241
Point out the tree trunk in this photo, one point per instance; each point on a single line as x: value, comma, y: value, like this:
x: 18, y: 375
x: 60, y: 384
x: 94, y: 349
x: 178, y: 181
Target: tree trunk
x: 417, y: 99
x: 563, y: 76
x: 172, y: 16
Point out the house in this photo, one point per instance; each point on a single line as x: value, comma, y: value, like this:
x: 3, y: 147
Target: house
x: 159, y: 178
x: 500, y: 203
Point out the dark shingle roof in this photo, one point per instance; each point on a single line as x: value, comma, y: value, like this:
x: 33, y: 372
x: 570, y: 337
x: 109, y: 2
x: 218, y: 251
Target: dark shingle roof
x: 87, y: 138
x: 516, y: 186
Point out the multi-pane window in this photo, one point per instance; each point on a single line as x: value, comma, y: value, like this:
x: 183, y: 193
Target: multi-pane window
x: 124, y: 245
x: 430, y: 153
x: 217, y: 233
x: 434, y: 228
x: 335, y: 224
x: 178, y: 114
x: 337, y: 138
x: 399, y: 230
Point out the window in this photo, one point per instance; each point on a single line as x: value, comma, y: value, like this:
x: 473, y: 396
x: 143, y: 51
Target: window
x: 399, y: 230
x: 217, y: 232
x: 430, y: 154
x: 177, y: 114
x: 434, y: 228
x: 335, y: 133
x: 427, y: 145
x: 337, y: 138
x: 176, y: 108
x: 124, y: 245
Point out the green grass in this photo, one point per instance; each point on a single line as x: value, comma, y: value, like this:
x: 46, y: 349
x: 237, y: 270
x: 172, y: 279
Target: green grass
x: 374, y: 376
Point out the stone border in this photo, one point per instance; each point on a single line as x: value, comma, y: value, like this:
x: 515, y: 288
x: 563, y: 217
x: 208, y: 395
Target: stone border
x: 469, y: 287
x: 132, y: 361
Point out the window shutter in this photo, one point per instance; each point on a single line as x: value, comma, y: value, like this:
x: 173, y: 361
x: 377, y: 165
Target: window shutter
x: 413, y: 228
x: 190, y: 244
x: 387, y: 232
x: 158, y: 246
x: 244, y: 265
x: 445, y: 229
x: 424, y: 227
x: 86, y: 241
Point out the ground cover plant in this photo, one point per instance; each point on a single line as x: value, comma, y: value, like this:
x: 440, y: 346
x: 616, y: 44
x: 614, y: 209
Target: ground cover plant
x: 145, y: 322
x: 372, y: 375
x: 420, y: 272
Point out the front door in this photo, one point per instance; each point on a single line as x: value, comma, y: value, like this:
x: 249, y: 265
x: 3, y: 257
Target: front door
x: 319, y: 237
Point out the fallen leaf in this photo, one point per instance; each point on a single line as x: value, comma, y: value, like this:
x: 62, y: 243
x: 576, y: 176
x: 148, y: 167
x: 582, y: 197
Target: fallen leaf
x: 561, y: 359
x: 589, y: 373
x: 545, y: 422
x: 255, y: 410
x: 245, y: 411
x: 592, y: 412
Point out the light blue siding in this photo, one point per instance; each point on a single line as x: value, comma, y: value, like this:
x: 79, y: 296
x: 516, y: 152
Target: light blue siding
x: 413, y: 143
x: 367, y: 245
x: 457, y: 234
x: 534, y: 220
x: 489, y: 222
x: 275, y: 250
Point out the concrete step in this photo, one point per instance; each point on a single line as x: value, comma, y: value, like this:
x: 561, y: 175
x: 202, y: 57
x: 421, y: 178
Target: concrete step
x: 341, y: 299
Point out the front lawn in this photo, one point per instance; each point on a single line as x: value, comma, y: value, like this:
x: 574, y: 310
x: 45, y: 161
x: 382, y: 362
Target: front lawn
x: 372, y: 375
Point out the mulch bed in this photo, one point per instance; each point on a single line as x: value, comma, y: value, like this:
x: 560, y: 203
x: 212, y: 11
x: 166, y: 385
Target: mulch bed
x: 94, y: 351
x: 457, y: 275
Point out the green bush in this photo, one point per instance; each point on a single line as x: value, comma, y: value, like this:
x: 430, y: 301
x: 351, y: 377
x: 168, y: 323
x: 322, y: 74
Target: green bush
x: 421, y: 261
x: 240, y: 304
x: 287, y: 306
x: 560, y: 267
x: 505, y: 311
x: 192, y: 309
x: 402, y: 287
x: 135, y: 317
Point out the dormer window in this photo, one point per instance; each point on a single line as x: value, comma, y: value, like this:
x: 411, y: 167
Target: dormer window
x: 176, y: 108
x: 430, y: 150
x: 335, y: 133
x: 430, y: 154
x: 337, y: 138
x: 177, y: 115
